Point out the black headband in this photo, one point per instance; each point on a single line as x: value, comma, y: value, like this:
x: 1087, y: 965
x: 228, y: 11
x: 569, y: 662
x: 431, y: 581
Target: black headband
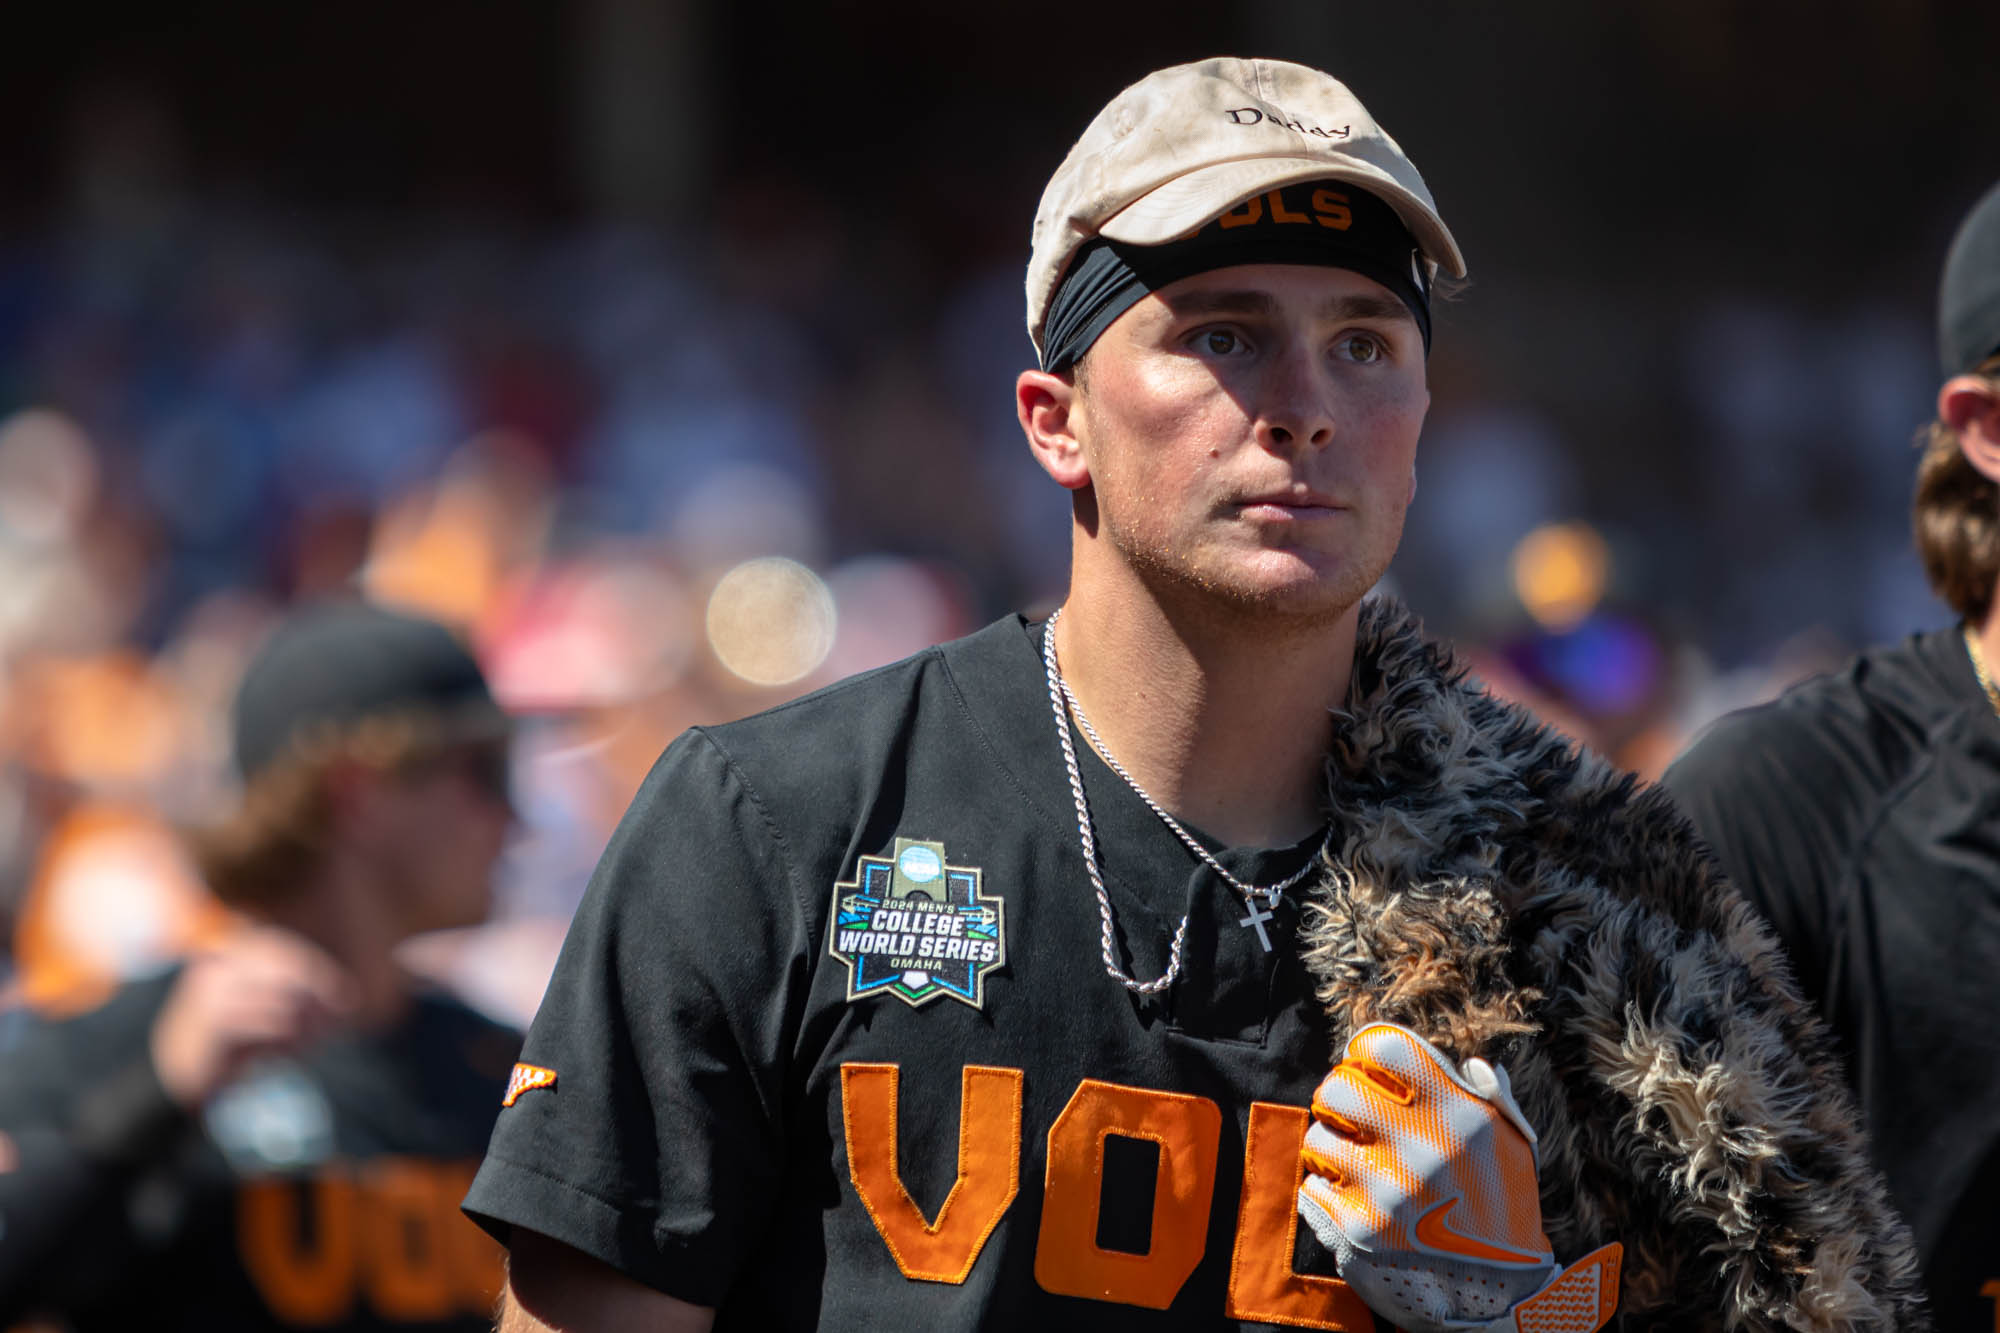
x: 1321, y: 222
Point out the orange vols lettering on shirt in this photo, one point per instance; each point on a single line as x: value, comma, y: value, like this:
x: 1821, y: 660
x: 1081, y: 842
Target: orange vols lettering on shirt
x: 1262, y: 1286
x: 408, y: 1259
x: 301, y: 1283
x: 387, y: 1230
x: 1068, y: 1260
x: 989, y: 1167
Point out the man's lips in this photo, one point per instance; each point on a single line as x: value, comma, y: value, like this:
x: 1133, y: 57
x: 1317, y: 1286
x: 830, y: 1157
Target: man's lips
x: 1297, y: 504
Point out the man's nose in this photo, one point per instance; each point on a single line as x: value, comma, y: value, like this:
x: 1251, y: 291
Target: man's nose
x: 1297, y: 408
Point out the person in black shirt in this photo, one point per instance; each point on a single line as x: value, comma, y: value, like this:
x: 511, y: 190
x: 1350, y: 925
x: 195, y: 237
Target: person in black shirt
x: 991, y: 989
x: 275, y: 1133
x: 1860, y: 813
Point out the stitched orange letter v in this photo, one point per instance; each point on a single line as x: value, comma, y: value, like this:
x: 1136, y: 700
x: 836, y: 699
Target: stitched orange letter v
x: 989, y: 1168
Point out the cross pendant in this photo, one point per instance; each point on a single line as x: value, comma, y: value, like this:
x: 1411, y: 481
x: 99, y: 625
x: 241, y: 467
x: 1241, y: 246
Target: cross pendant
x: 1259, y: 914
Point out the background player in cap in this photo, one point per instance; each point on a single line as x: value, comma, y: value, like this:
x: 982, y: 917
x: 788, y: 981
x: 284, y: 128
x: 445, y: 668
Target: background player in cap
x: 991, y: 990
x: 1857, y: 814
x: 274, y: 1134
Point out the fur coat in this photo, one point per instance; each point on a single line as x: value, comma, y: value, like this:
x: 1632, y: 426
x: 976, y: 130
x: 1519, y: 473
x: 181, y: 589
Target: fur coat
x: 1504, y: 895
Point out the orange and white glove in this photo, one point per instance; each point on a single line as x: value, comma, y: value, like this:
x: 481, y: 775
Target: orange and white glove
x: 1420, y: 1179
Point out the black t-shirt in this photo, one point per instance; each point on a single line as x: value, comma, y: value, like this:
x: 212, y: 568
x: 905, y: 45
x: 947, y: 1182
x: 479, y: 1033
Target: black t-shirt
x: 317, y: 1192
x: 1860, y: 813
x: 831, y: 1044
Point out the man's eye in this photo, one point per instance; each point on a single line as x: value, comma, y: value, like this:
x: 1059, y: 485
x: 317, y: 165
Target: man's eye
x: 1220, y: 342
x: 1362, y: 347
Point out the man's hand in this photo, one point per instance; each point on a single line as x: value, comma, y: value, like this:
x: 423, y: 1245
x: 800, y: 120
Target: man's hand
x: 261, y: 991
x: 1420, y: 1178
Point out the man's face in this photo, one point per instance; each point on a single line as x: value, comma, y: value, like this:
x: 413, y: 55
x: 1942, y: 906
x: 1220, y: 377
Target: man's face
x: 440, y: 828
x: 1251, y: 434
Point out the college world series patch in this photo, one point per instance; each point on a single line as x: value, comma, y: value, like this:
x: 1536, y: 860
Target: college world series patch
x: 914, y: 927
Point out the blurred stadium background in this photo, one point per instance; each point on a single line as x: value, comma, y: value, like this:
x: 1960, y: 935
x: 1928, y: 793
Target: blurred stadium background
x: 666, y: 345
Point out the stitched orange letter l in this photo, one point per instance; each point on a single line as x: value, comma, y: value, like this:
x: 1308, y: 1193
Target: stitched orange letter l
x: 1262, y: 1285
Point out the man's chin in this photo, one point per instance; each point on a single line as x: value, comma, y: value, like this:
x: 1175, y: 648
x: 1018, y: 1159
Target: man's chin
x: 1302, y: 597
x: 1299, y: 579
x: 1286, y: 586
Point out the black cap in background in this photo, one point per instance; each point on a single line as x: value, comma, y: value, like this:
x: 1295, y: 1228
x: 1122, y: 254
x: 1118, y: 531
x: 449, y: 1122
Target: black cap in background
x: 336, y: 663
x: 1969, y: 296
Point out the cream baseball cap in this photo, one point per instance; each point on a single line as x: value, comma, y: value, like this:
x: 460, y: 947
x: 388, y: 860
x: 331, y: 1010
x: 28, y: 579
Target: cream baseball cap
x: 1186, y: 144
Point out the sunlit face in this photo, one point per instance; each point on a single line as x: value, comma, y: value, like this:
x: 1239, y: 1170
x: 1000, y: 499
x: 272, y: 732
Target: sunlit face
x: 1251, y: 433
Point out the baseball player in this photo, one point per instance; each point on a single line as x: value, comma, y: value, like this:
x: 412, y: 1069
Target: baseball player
x: 1857, y: 814
x: 998, y: 988
x: 276, y: 1133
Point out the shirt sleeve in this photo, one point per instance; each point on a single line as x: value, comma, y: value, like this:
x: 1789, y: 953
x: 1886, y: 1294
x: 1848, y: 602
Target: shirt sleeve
x: 646, y: 1124
x: 1779, y: 802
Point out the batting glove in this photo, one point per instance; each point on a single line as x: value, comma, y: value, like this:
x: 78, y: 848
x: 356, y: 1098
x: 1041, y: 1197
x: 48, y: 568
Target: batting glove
x: 1420, y: 1179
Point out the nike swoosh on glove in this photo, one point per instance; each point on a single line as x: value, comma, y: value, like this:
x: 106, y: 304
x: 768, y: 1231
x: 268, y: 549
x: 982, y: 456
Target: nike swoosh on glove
x: 1420, y: 1179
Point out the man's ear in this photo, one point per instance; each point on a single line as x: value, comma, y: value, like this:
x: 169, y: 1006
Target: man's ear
x: 1971, y: 407
x: 1048, y: 408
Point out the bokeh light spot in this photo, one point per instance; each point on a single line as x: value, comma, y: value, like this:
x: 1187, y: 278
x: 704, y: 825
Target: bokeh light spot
x: 1560, y: 573
x: 48, y: 476
x: 771, y: 621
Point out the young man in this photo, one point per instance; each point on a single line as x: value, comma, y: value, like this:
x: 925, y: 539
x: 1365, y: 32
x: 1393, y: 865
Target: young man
x: 275, y: 1134
x: 1857, y: 814
x: 989, y: 990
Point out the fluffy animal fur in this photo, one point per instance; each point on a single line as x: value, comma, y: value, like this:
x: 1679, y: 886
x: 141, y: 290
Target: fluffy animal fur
x: 1496, y: 890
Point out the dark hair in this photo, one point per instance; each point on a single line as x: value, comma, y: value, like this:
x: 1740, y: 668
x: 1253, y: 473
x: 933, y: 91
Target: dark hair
x: 1956, y: 516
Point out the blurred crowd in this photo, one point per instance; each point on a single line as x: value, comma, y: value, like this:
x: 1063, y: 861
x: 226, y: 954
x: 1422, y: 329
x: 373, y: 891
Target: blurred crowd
x: 665, y: 477
x: 624, y: 476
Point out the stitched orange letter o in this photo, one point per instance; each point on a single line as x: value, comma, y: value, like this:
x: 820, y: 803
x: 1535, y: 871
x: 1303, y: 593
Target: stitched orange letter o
x: 1067, y: 1258
x: 404, y: 1241
x: 989, y: 1168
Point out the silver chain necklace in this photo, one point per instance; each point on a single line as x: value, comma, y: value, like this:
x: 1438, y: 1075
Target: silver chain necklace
x: 1060, y: 695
